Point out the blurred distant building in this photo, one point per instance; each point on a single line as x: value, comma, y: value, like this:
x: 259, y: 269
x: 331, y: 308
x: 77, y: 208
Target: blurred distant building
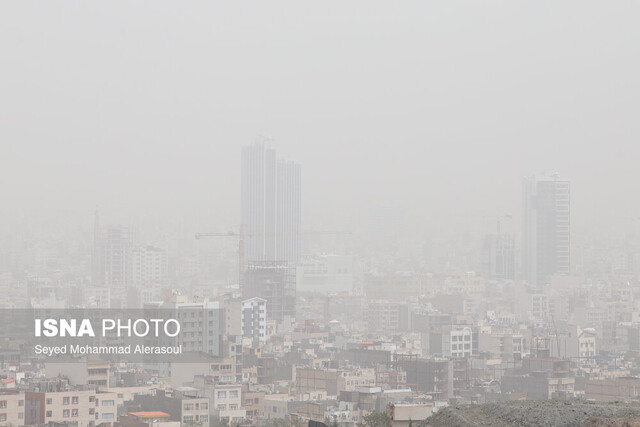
x: 325, y: 273
x: 149, y: 264
x: 271, y: 216
x: 271, y: 209
x: 499, y: 256
x: 112, y: 255
x: 259, y: 201
x: 545, y: 228
x: 275, y: 283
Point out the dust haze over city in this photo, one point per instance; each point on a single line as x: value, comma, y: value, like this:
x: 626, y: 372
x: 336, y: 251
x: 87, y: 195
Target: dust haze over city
x: 384, y: 212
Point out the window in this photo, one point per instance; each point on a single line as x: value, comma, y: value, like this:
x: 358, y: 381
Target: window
x: 65, y: 400
x: 74, y: 400
x: 233, y: 394
x: 222, y: 407
x: 3, y: 404
x: 92, y: 398
x: 20, y: 402
x: 187, y: 418
x: 49, y: 401
x: 92, y: 411
x: 232, y: 407
x: 120, y: 395
x: 20, y: 415
x: 3, y: 417
x: 204, y: 406
x: 65, y: 413
x: 49, y: 413
x: 107, y: 403
x: 222, y: 395
x: 107, y: 416
x: 204, y: 418
x: 188, y: 406
x: 74, y: 412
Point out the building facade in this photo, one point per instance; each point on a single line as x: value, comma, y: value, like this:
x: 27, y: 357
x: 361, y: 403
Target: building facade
x: 545, y: 228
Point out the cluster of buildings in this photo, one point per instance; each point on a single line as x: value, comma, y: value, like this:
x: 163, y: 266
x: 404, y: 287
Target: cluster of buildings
x: 330, y: 338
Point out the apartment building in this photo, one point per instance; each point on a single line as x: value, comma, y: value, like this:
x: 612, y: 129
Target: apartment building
x: 85, y: 408
x: 12, y: 408
x: 252, y: 403
x: 254, y: 319
x: 384, y: 316
x: 333, y: 381
x: 454, y: 342
x: 227, y: 402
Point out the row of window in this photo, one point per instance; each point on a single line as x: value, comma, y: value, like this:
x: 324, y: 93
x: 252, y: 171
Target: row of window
x: 191, y: 418
x: 226, y: 367
x: 3, y: 417
x: 198, y: 406
x: 3, y: 403
x: 224, y: 407
x: 233, y: 394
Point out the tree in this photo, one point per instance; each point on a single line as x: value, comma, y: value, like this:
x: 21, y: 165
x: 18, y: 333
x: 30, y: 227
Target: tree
x: 376, y: 419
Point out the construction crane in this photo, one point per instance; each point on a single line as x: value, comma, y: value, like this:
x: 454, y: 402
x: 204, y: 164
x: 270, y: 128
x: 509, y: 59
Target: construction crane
x: 242, y: 235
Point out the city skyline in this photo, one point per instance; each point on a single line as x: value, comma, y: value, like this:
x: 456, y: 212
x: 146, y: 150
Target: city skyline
x: 351, y: 214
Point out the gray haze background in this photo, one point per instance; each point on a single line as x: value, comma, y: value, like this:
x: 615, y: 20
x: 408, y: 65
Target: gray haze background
x: 418, y: 110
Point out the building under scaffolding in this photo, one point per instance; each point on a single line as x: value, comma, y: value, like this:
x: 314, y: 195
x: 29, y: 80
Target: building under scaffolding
x: 275, y: 282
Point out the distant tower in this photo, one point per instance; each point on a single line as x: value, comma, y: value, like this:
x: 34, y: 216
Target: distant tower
x: 111, y: 262
x: 271, y: 209
x: 97, y: 269
x: 271, y: 217
x: 545, y: 228
x: 499, y: 255
x: 259, y: 201
x: 117, y: 250
x: 288, y: 212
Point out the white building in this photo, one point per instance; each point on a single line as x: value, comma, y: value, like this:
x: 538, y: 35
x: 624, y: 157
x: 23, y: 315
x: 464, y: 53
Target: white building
x: 254, y: 319
x: 456, y: 342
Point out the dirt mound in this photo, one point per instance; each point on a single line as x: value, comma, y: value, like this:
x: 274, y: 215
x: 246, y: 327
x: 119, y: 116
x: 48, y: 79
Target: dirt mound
x: 538, y: 413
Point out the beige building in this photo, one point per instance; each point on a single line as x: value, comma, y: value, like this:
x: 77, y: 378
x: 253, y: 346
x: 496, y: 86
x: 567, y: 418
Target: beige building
x: 227, y: 402
x: 252, y: 403
x: 12, y: 408
x: 403, y: 415
x: 86, y: 408
x: 333, y: 381
x: 275, y: 406
x: 232, y: 315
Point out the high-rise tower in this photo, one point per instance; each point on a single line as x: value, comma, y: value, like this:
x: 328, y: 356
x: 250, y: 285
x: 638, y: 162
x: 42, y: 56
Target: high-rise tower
x: 545, y: 228
x: 288, y: 212
x: 271, y: 217
x: 259, y: 201
x: 271, y: 212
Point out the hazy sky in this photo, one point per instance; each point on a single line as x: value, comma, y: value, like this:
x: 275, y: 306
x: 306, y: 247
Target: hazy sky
x: 421, y: 107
